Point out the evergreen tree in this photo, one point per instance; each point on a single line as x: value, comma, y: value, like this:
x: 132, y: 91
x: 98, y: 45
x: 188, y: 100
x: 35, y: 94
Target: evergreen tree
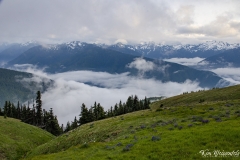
x: 135, y: 103
x: 95, y: 111
x: 52, y: 125
x: 146, y: 103
x: 68, y: 127
x: 1, y: 112
x: 121, y: 110
x: 74, y: 123
x: 141, y: 105
x: 111, y: 111
x: 115, y: 111
x: 91, y: 116
x: 83, y: 117
x: 129, y: 104
x: 6, y: 109
x: 101, y: 113
x: 18, y: 111
x: 38, y: 109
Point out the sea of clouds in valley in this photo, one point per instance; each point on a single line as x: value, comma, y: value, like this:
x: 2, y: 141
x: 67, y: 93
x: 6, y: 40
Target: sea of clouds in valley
x: 71, y: 89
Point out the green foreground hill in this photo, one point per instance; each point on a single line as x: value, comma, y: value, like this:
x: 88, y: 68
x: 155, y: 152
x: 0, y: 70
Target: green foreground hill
x: 189, y: 126
x: 17, y: 138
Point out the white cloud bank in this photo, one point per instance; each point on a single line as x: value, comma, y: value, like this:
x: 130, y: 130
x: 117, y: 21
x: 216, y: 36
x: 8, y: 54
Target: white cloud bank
x: 70, y: 90
x: 185, y: 61
x: 230, y: 74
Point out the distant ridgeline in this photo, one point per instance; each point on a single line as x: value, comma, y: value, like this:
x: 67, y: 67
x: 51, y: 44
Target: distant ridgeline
x: 82, y: 56
x: 20, y: 86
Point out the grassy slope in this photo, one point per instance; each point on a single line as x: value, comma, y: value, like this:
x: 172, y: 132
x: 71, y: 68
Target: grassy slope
x: 17, y: 138
x: 180, y: 130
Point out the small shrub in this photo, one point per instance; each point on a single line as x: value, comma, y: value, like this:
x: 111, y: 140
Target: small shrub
x: 91, y: 125
x: 217, y: 119
x: 184, y: 120
x: 201, y: 100
x: 85, y: 145
x: 205, y: 121
x: 190, y: 125
x: 228, y: 104
x: 197, y: 119
x: 119, y: 144
x: 142, y: 126
x: 180, y: 127
x: 159, y: 109
x: 170, y: 129
x: 153, y: 125
x: 211, y: 108
x: 175, y: 125
x: 227, y: 112
x: 155, y: 138
x: 237, y: 111
x: 127, y: 147
x: 110, y: 147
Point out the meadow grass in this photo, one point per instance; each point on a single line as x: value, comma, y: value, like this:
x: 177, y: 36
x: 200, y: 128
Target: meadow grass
x: 179, y: 132
x: 17, y: 138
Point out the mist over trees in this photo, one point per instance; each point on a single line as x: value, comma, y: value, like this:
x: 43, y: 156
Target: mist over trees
x: 46, y: 120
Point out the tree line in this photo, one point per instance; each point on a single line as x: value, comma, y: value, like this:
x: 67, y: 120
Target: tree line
x: 96, y: 112
x: 47, y: 120
x: 35, y: 116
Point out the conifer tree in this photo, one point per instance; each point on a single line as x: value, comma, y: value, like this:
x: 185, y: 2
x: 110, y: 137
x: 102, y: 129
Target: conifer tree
x: 5, y: 109
x: 83, y: 117
x: 101, y: 113
x: 18, y: 112
x: 74, y: 123
x: 38, y: 109
x: 1, y: 112
x: 115, y: 110
x: 68, y: 127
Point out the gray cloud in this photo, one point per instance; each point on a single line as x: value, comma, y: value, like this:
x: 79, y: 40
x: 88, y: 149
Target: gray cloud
x: 222, y: 26
x: 107, y: 21
x: 70, y: 90
x: 230, y: 74
x: 185, y: 61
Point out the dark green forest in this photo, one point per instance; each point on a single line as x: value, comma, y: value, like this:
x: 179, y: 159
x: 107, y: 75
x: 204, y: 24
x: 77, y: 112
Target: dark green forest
x: 46, y: 120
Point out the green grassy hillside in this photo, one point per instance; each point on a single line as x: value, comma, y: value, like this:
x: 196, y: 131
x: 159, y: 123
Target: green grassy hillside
x: 213, y: 95
x: 17, y: 138
x: 181, y: 129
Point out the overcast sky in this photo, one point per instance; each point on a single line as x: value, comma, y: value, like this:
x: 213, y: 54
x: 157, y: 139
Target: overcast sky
x: 111, y: 21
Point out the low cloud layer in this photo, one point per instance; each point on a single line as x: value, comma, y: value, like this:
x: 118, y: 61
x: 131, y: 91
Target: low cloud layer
x: 185, y: 61
x: 70, y: 90
x: 230, y: 74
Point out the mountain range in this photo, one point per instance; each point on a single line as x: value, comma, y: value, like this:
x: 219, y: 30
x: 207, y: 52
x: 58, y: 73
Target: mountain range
x: 82, y: 56
x: 161, y: 51
x: 228, y: 58
x: 11, y: 51
x: 142, y: 60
